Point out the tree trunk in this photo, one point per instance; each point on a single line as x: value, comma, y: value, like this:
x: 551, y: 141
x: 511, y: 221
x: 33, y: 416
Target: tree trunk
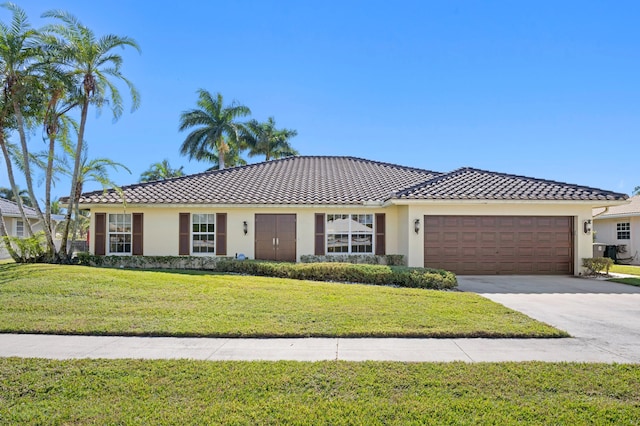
x: 27, y: 175
x: 74, y: 179
x: 12, y: 182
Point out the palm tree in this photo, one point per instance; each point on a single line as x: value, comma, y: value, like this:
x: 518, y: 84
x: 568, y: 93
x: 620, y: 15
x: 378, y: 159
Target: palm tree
x: 216, y: 129
x: 8, y: 194
x: 160, y: 171
x: 91, y: 170
x: 93, y: 63
x: 265, y: 139
x: 20, y: 65
x: 636, y: 190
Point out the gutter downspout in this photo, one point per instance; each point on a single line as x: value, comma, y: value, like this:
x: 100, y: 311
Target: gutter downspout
x: 606, y: 209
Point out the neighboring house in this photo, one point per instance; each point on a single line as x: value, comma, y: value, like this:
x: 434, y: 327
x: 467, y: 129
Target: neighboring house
x: 620, y: 226
x: 469, y: 221
x: 14, y: 222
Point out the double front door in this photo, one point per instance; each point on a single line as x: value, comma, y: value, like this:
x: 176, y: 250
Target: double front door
x: 275, y: 237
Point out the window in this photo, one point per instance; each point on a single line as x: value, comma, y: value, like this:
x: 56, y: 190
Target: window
x: 203, y: 237
x: 120, y: 233
x: 624, y: 230
x: 349, y: 233
x: 19, y: 228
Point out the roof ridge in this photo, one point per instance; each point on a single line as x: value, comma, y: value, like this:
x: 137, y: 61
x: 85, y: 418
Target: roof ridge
x: 429, y: 181
x: 549, y: 181
x: 461, y: 170
x: 262, y: 163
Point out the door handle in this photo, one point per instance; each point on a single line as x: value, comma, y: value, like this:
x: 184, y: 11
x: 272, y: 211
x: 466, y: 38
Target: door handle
x: 273, y: 242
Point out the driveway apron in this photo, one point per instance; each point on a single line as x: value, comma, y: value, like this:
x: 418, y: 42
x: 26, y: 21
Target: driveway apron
x: 599, y: 314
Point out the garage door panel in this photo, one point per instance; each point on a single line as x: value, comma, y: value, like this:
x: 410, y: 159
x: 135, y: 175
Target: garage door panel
x: 500, y: 244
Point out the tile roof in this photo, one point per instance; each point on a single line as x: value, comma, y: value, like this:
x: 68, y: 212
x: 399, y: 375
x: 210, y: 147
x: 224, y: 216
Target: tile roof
x: 631, y: 209
x: 9, y: 208
x: 474, y: 184
x: 320, y: 180
x: 301, y: 180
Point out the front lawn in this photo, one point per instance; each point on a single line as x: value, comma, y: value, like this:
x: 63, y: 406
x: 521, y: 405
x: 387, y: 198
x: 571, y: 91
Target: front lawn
x: 629, y: 270
x: 58, y: 299
x: 336, y: 393
x: 625, y: 269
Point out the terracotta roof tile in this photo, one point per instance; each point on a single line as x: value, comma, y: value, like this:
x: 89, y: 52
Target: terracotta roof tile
x: 303, y: 180
x: 313, y: 180
x: 474, y: 184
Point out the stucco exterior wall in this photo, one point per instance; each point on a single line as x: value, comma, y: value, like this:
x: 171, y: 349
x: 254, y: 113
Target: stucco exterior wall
x: 161, y: 227
x: 606, y: 233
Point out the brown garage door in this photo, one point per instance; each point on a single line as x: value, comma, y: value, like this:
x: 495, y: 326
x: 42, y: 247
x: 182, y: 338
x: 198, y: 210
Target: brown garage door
x: 490, y: 245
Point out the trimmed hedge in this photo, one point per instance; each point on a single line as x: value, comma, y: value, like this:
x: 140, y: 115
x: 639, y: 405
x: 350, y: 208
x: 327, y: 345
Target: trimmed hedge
x: 370, y: 259
x: 401, y: 276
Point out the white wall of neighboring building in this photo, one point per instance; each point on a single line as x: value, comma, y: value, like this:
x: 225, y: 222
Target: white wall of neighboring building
x: 606, y: 233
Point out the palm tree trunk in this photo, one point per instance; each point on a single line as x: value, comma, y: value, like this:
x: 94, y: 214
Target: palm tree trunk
x: 47, y: 185
x: 12, y: 182
x: 27, y: 174
x: 74, y: 179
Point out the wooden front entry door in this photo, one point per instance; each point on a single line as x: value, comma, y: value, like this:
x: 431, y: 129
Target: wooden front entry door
x: 276, y: 237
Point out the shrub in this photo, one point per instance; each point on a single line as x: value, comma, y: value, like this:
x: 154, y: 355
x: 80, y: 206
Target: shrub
x: 345, y: 272
x: 370, y: 259
x: 28, y: 249
x: 596, y: 265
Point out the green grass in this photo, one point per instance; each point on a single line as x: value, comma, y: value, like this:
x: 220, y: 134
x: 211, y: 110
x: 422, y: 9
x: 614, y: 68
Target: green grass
x: 82, y: 300
x: 629, y: 270
x: 628, y: 281
x: 625, y: 269
x: 336, y: 393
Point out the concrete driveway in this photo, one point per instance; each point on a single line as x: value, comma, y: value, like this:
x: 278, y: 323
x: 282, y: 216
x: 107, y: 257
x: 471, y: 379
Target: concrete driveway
x: 600, y: 314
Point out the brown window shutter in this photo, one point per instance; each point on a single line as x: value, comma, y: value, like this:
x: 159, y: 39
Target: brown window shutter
x: 185, y: 234
x: 137, y: 234
x: 221, y: 234
x: 100, y: 237
x: 319, y: 239
x: 380, y: 234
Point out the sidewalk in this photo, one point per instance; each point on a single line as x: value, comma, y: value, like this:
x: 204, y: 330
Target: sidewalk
x: 313, y: 349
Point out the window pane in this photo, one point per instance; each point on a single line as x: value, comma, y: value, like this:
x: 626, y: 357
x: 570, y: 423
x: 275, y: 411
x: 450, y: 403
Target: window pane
x: 338, y: 243
x: 337, y: 223
x: 362, y: 243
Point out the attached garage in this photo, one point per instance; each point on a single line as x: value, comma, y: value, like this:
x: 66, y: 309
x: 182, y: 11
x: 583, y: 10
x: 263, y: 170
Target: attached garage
x: 490, y: 245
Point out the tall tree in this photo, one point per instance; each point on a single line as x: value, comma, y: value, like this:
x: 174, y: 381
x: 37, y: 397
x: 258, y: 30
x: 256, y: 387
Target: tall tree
x: 216, y: 130
x: 91, y: 170
x: 636, y: 190
x: 160, y: 171
x: 265, y: 139
x: 96, y: 67
x: 20, y: 52
x: 23, y: 194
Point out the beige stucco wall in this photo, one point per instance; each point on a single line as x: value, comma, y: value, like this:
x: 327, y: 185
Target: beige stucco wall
x: 160, y: 228
x: 606, y: 233
x: 161, y: 225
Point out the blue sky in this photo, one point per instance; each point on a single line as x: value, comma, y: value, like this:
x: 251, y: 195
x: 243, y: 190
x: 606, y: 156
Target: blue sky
x: 548, y: 89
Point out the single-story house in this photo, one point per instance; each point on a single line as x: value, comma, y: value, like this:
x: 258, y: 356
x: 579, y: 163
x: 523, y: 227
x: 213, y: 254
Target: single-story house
x: 620, y: 226
x: 468, y: 221
x: 14, y: 223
